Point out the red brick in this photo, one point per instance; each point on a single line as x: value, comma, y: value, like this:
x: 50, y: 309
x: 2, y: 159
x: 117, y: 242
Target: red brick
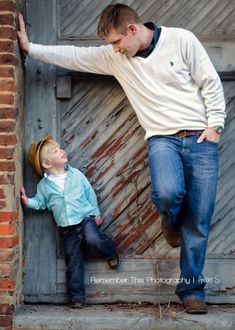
x: 8, y: 242
x: 8, y: 229
x: 8, y: 113
x: 6, y: 309
x: 8, y: 140
x: 8, y: 33
x: 7, y: 126
x: 9, y: 216
x: 7, y: 179
x: 7, y: 99
x: 7, y: 86
x: 6, y: 322
x: 2, y: 204
x: 7, y: 166
x: 6, y: 297
x: 8, y: 59
x: 7, y: 5
x: 6, y: 270
x: 6, y: 255
x: 7, y: 72
x: 2, y: 194
x: 6, y: 328
x: 6, y: 153
x: 6, y: 46
x: 6, y: 19
x: 7, y: 284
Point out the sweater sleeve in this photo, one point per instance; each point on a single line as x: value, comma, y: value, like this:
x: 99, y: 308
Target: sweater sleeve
x: 206, y: 77
x: 85, y: 59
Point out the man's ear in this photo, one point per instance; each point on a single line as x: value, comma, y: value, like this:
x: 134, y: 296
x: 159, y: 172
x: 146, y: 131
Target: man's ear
x: 132, y: 28
x: 46, y: 165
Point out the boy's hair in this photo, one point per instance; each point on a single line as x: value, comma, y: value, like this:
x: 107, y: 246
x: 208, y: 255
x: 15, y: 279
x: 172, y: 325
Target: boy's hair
x: 45, y: 150
x: 116, y: 17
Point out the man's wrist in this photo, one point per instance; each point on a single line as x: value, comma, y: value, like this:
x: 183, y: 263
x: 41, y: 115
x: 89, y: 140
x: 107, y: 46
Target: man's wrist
x: 218, y: 129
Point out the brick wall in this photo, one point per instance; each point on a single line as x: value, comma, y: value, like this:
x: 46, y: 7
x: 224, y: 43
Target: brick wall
x: 11, y: 141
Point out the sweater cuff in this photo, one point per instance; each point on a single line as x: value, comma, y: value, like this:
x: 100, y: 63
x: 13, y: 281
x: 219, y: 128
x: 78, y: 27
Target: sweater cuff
x: 34, y: 50
x: 215, y: 123
x: 30, y: 48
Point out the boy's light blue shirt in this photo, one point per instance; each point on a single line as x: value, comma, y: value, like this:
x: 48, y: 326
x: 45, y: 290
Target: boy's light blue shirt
x: 70, y: 206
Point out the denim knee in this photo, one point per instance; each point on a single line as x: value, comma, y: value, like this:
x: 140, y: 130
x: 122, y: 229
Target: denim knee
x: 93, y: 238
x: 167, y: 199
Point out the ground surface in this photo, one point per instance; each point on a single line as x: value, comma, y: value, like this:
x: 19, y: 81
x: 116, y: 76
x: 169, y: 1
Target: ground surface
x: 122, y: 317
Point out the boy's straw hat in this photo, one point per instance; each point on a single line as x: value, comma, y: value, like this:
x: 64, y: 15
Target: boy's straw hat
x: 34, y: 154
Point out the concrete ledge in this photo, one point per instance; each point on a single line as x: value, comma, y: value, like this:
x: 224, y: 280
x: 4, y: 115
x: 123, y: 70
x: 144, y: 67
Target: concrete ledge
x: 122, y: 316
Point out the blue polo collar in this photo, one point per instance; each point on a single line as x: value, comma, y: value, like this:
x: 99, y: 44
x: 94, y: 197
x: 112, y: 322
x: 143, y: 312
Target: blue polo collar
x: 157, y: 31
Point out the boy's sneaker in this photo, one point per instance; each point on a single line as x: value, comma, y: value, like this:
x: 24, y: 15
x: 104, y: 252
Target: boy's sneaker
x: 114, y: 262
x: 75, y: 303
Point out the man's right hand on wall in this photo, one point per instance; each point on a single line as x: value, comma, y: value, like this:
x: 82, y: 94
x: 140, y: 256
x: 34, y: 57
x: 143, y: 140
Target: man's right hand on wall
x: 22, y: 35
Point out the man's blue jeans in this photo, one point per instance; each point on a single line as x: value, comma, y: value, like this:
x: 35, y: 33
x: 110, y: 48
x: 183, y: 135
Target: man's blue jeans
x: 75, y: 239
x: 184, y: 180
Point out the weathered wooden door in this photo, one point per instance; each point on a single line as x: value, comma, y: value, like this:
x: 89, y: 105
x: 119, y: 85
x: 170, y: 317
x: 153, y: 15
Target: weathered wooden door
x: 93, y: 120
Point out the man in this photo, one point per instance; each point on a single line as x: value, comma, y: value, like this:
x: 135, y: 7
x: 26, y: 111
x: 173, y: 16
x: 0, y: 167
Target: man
x: 178, y: 98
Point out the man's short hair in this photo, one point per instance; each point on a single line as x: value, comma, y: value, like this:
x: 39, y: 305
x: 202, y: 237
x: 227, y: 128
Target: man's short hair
x: 116, y: 17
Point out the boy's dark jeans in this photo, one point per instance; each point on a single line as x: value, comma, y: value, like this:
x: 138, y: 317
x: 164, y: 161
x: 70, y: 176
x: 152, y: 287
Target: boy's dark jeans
x: 75, y: 239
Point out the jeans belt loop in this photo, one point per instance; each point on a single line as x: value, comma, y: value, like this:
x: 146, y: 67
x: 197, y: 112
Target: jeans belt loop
x: 183, y: 134
x: 187, y: 133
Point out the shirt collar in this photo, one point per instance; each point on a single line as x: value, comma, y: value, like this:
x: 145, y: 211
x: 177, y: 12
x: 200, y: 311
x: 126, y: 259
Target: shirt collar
x: 145, y: 52
x: 66, y: 166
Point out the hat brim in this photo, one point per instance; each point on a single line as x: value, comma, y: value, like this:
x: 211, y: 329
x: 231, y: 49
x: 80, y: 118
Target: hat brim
x: 34, y: 153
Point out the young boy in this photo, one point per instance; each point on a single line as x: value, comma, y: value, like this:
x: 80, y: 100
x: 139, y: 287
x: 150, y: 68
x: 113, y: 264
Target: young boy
x: 66, y: 192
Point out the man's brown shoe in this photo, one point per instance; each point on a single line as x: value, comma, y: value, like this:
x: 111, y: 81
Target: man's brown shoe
x: 195, y: 306
x: 171, y: 235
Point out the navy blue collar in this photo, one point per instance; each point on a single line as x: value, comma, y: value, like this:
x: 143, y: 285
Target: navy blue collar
x: 157, y: 31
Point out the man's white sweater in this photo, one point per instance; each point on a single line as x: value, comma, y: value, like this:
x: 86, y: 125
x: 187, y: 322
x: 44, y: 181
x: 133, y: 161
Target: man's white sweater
x: 175, y: 88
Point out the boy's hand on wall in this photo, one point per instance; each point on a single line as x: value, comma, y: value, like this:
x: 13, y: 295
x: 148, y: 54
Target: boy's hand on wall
x: 22, y: 35
x: 99, y: 220
x: 24, y: 198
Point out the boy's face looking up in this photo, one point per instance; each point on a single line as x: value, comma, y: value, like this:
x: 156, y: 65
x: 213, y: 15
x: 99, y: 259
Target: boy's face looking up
x: 52, y: 157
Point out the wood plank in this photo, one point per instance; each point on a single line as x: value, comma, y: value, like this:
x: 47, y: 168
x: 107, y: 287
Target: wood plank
x: 203, y: 17
x: 63, y: 87
x: 145, y: 280
x: 221, y: 54
x: 40, y: 120
x: 102, y: 135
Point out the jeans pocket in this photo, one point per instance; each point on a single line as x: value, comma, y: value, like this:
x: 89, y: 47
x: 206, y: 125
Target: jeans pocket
x: 212, y: 142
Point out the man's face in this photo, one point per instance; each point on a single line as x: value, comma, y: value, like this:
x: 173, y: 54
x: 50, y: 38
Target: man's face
x: 125, y: 44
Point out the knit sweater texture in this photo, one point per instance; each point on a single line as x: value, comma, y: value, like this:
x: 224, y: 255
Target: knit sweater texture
x: 175, y: 88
